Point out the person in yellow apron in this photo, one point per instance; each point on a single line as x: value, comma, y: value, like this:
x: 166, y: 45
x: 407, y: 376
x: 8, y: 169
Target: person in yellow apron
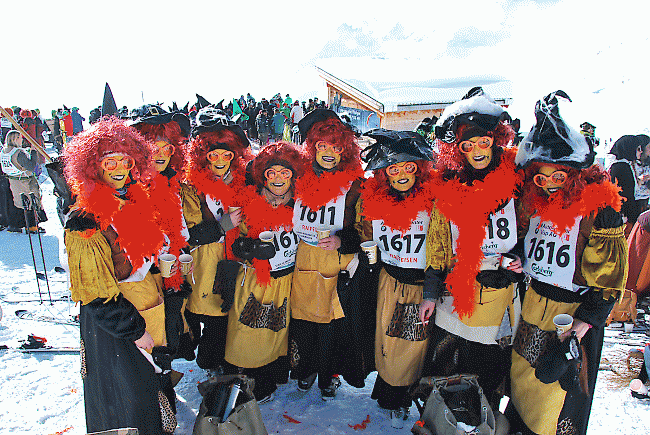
x: 325, y: 198
x: 258, y: 322
x: 215, y: 172
x: 393, y: 212
x: 111, y: 237
x: 474, y: 293
x: 575, y: 256
x: 167, y: 131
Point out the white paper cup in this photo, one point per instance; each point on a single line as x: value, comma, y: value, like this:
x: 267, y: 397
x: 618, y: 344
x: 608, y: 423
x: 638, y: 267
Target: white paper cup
x: 165, y: 262
x: 266, y: 236
x: 628, y: 327
x: 370, y: 248
x: 186, y: 263
x: 323, y: 232
x: 563, y: 323
x: 638, y: 387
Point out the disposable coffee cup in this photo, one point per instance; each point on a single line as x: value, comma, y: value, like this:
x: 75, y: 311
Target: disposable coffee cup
x: 165, y: 262
x: 628, y: 327
x: 370, y: 248
x: 233, y: 209
x: 563, y: 323
x: 186, y: 263
x: 323, y: 232
x: 638, y: 387
x: 266, y: 236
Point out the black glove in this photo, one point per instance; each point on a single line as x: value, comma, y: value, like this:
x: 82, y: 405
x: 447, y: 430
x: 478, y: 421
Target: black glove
x: 263, y: 250
x: 206, y: 232
x: 243, y: 248
x: 225, y: 281
x: 561, y: 363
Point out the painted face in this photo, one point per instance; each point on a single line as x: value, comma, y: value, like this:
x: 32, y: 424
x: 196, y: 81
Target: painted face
x: 163, y: 155
x: 550, y: 178
x: 478, y: 151
x: 401, y: 176
x: 278, y: 179
x: 328, y: 155
x: 220, y: 161
x: 115, y: 169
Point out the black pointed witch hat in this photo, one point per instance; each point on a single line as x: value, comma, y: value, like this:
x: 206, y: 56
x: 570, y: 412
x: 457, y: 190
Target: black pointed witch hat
x: 393, y: 147
x: 154, y: 114
x: 108, y: 105
x: 201, y: 102
x: 551, y: 140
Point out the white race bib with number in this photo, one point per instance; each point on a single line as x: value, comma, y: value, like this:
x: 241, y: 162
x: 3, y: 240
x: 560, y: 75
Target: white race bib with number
x: 500, y: 232
x: 408, y: 250
x: 286, y: 245
x: 551, y: 258
x: 305, y: 220
x: 216, y: 208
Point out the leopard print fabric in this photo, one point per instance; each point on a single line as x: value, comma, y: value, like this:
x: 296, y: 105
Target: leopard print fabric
x: 257, y: 315
x: 405, y: 323
x: 166, y: 414
x: 531, y: 341
x: 84, y: 371
x: 294, y: 356
x: 566, y: 427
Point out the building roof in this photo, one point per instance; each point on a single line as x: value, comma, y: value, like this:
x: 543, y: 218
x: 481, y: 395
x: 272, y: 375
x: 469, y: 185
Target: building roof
x: 393, y: 85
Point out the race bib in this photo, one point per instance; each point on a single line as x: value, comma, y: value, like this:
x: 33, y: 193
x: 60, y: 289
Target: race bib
x: 500, y: 232
x: 408, y: 250
x: 286, y: 245
x: 551, y: 258
x: 216, y: 208
x: 305, y: 220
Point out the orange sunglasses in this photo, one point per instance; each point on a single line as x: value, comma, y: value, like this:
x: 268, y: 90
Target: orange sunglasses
x: 271, y: 173
x: 322, y: 146
x: 483, y: 143
x: 557, y: 177
x: 214, y: 155
x: 111, y: 163
x: 409, y: 168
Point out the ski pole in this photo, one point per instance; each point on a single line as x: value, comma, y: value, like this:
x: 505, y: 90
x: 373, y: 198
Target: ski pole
x: 35, y: 207
x: 31, y: 247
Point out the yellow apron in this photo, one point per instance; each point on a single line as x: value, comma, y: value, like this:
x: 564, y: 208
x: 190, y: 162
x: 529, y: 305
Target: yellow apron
x: 258, y: 320
x: 146, y: 298
x: 202, y: 300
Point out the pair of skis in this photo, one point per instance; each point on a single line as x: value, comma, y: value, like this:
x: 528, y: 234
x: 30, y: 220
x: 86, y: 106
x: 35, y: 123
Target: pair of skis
x: 35, y: 344
x: 30, y: 203
x: 28, y: 315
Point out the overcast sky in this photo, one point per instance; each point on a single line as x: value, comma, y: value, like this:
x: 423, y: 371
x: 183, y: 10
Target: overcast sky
x: 63, y: 52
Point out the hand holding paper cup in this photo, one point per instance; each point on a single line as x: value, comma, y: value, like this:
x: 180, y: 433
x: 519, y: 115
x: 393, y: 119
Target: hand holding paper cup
x: 266, y: 236
x: 186, y: 263
x: 562, y: 322
x: 370, y: 248
x: 323, y: 232
x: 165, y: 263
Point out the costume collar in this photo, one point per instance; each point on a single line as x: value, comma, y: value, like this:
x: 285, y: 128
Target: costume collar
x: 315, y: 190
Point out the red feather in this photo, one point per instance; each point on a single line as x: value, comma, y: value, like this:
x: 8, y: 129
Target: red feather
x: 315, y: 191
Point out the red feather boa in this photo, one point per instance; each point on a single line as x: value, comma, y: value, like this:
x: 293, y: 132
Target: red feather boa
x: 167, y: 201
x: 315, y: 191
x: 136, y: 221
x: 593, y: 197
x: 469, y: 207
x: 261, y: 216
x: 378, y: 204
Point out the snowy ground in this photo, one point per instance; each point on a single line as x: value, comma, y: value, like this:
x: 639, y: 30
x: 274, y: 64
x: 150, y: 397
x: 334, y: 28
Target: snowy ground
x: 43, y: 393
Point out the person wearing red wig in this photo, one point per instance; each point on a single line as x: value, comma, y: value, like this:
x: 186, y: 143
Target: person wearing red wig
x: 111, y: 238
x: 167, y: 131
x: 474, y: 292
x: 215, y: 159
x: 325, y: 196
x: 575, y: 254
x: 258, y: 321
x: 395, y: 209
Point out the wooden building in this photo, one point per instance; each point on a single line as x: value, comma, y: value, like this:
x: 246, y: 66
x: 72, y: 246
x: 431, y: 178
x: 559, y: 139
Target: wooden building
x: 366, y: 89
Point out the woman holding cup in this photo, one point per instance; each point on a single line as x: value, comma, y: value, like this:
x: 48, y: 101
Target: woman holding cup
x: 471, y: 274
x: 215, y: 160
x: 325, y: 203
x: 394, y: 215
x: 111, y: 237
x: 575, y: 254
x: 258, y: 321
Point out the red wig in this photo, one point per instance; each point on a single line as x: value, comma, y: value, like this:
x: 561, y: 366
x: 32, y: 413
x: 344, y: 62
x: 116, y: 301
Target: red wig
x: 573, y: 186
x: 197, y: 149
x: 279, y: 153
x: 84, y: 154
x: 451, y: 158
x: 333, y: 131
x: 172, y: 133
